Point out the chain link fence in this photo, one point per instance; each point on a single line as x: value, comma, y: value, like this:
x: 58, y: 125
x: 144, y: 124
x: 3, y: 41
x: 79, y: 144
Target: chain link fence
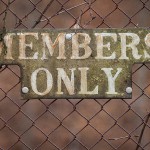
x: 74, y: 124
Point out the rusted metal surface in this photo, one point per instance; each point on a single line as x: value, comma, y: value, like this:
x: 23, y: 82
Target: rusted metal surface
x: 91, y: 63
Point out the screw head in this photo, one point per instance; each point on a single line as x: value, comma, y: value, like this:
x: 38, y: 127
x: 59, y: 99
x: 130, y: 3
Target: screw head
x: 25, y: 90
x: 129, y: 90
x: 69, y: 36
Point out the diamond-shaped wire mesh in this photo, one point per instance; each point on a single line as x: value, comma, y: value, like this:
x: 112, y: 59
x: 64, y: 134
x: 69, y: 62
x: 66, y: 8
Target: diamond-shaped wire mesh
x: 78, y: 124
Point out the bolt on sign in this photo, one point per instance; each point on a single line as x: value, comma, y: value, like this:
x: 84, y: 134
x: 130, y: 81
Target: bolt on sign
x: 90, y: 63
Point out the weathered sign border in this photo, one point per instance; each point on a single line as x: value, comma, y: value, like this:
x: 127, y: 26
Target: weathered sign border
x: 30, y: 65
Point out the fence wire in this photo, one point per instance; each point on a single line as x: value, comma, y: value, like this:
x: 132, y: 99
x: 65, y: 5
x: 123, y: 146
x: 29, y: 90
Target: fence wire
x: 74, y: 124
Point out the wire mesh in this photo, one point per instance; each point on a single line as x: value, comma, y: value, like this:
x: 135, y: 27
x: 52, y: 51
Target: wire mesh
x: 78, y: 124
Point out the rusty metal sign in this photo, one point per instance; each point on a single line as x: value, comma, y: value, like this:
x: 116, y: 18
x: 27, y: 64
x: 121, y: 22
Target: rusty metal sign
x: 91, y: 63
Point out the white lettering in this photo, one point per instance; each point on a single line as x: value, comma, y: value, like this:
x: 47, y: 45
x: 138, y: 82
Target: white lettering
x: 34, y: 81
x: 111, y: 79
x: 68, y: 83
x: 101, y: 45
x: 132, y: 45
x: 47, y: 42
x: 84, y: 89
x: 23, y: 45
x: 147, y: 42
x: 85, y: 45
x: 8, y: 41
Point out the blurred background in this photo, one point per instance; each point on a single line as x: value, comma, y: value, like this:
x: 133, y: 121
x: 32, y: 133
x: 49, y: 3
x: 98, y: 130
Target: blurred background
x: 74, y: 124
